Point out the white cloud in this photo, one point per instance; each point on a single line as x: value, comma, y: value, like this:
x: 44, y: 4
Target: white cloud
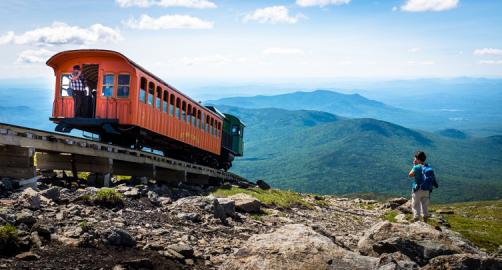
x: 273, y: 14
x: 34, y: 56
x: 488, y: 51
x: 61, y: 33
x: 429, y: 5
x: 201, y: 4
x: 490, y: 62
x: 421, y: 63
x: 414, y: 50
x: 214, y: 60
x: 321, y: 3
x: 176, y: 21
x: 283, y: 51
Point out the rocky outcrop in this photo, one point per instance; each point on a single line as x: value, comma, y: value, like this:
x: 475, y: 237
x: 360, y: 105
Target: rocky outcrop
x: 418, y: 241
x: 30, y: 199
x: 464, y: 262
x: 183, y: 227
x: 296, y: 246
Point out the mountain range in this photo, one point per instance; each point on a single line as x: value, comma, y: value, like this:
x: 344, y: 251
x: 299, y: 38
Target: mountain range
x: 319, y: 152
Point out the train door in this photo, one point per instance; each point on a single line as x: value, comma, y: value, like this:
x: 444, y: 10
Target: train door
x: 90, y: 72
x: 106, y: 103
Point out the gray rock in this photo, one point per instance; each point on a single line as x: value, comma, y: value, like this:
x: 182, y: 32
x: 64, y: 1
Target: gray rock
x: 52, y: 193
x: 153, y: 197
x: 183, y: 249
x: 296, y: 246
x: 228, y: 206
x: 464, y: 262
x: 119, y: 237
x: 143, y: 263
x: 29, y: 198
x: 246, y: 203
x: 133, y: 193
x: 194, y: 217
x: 6, y: 184
x: 396, y: 202
x: 35, y: 240
x: 419, y: 241
x: 73, y: 232
x: 218, y: 211
x: 26, y: 216
x: 27, y: 256
x: 262, y: 184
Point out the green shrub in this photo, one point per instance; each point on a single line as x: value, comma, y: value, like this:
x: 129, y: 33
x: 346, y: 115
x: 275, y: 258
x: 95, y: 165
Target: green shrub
x: 8, y: 240
x: 84, y: 225
x: 8, y: 233
x: 108, y: 197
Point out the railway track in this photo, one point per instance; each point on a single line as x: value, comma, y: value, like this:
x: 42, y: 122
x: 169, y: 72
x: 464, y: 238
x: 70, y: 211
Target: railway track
x: 24, y: 150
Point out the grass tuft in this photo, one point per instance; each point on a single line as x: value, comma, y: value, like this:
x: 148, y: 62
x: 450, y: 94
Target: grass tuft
x: 108, y: 197
x: 480, y: 222
x: 270, y: 197
x: 8, y: 233
x: 391, y: 216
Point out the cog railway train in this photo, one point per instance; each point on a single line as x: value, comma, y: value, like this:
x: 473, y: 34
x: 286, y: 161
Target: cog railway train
x: 131, y: 107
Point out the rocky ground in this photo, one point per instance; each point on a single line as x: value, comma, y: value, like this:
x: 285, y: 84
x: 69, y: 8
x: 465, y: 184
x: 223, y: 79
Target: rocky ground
x: 161, y: 227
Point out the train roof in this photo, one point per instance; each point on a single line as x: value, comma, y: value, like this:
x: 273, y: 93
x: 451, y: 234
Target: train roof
x: 52, y: 63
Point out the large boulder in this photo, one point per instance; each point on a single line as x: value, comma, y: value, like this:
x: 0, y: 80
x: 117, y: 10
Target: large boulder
x: 419, y: 241
x: 296, y: 246
x: 262, y: 184
x: 228, y: 206
x: 246, y: 203
x: 52, y: 193
x: 119, y: 237
x: 29, y: 198
x: 25, y: 216
x: 464, y: 262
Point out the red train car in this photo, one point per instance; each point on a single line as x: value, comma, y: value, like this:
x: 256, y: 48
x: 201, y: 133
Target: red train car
x: 130, y: 106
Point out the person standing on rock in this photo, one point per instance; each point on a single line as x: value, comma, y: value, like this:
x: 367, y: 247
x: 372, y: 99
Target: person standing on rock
x: 424, y: 180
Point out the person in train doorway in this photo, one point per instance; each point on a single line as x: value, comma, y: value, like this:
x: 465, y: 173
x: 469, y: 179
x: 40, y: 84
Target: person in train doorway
x: 79, y: 93
x: 423, y: 182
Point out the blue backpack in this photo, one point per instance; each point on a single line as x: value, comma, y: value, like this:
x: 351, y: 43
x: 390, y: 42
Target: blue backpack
x: 428, y: 179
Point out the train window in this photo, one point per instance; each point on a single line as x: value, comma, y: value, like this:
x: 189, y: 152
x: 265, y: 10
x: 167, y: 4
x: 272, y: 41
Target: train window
x: 151, y: 88
x: 197, y: 122
x: 183, y: 110
x: 178, y: 102
x: 236, y: 130
x: 142, y: 90
x: 171, y: 106
x: 159, y: 97
x: 203, y: 127
x: 207, y: 123
x: 219, y: 129
x: 65, y: 85
x: 211, y: 127
x: 189, y: 113
x: 194, y: 115
x: 108, y: 81
x: 123, y: 85
x: 164, y: 101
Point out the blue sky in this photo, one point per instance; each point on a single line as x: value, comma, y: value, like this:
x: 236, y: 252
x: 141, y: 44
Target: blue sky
x: 261, y: 40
